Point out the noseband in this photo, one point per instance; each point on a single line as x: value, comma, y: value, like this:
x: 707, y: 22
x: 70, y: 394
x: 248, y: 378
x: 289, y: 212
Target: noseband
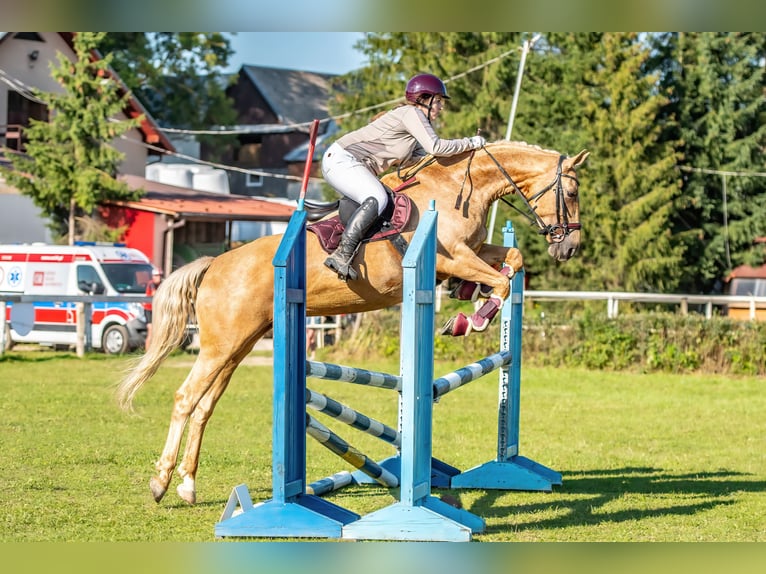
x: 563, y: 227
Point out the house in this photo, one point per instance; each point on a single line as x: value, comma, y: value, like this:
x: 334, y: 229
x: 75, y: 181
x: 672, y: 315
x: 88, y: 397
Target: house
x: 177, y: 225
x: 275, y: 109
x: 168, y: 234
x: 25, y: 60
x: 747, y: 281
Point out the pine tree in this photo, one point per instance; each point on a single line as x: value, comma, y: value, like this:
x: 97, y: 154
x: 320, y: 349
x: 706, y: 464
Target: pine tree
x: 635, y: 173
x: 716, y: 83
x: 595, y: 91
x: 70, y: 165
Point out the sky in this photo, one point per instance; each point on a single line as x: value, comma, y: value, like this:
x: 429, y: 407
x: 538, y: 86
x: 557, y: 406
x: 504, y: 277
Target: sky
x: 325, y: 52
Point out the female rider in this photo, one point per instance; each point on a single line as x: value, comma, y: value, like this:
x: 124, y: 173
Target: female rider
x: 397, y: 138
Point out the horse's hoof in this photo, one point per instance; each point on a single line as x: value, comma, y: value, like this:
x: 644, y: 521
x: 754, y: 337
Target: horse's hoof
x: 458, y: 326
x: 158, y: 491
x: 187, y: 495
x: 481, y: 319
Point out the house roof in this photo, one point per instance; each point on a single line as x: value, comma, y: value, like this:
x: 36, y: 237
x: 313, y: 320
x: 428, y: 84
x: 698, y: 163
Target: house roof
x: 747, y: 272
x: 181, y: 202
x: 296, y: 97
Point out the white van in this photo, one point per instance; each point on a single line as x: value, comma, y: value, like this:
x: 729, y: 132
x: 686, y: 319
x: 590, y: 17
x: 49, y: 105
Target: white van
x: 81, y: 269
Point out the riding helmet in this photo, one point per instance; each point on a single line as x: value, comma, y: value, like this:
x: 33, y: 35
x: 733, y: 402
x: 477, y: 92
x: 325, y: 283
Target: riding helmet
x: 424, y: 84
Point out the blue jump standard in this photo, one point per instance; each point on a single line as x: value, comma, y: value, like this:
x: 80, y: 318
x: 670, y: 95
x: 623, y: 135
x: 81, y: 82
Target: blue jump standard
x: 417, y: 516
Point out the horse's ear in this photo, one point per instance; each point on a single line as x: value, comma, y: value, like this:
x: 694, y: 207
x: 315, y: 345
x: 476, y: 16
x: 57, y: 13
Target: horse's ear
x: 578, y: 160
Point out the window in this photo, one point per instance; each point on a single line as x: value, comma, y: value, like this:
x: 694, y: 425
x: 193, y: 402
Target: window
x: 21, y: 110
x: 254, y: 180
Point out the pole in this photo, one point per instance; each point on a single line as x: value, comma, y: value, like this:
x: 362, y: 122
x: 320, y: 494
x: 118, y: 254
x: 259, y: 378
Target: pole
x: 309, y: 162
x: 524, y: 51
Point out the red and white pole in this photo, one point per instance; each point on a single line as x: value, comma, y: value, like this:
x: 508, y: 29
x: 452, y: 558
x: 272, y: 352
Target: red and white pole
x: 309, y: 161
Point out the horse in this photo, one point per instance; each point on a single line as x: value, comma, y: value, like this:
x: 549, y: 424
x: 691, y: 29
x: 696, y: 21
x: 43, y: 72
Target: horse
x: 231, y: 295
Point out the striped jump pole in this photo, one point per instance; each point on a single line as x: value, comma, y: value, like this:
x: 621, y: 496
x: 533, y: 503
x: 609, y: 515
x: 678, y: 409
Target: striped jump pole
x: 337, y: 410
x: 349, y: 453
x: 331, y: 372
x: 470, y: 373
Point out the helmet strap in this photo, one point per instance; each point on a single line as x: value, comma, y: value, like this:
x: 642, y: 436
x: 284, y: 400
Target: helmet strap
x: 430, y: 105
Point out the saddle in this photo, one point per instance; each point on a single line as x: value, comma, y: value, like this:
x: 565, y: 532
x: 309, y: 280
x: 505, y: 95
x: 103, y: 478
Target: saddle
x: 388, y: 227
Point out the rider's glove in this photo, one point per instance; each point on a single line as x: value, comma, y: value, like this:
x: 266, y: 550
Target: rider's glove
x: 477, y: 142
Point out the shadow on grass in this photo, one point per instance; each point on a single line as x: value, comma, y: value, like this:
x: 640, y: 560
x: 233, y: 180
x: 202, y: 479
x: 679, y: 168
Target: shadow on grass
x: 671, y: 495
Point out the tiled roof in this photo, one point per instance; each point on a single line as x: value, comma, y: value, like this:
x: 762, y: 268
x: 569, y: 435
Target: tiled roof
x: 203, y: 205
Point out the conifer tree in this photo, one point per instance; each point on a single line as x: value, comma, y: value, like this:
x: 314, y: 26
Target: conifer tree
x: 716, y: 84
x: 635, y: 181
x: 70, y: 165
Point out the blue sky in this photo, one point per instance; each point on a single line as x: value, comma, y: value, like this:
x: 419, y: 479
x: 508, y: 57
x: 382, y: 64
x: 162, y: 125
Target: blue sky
x: 327, y: 52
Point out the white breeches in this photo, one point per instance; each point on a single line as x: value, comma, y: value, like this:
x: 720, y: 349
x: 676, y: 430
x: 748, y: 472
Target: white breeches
x: 350, y: 177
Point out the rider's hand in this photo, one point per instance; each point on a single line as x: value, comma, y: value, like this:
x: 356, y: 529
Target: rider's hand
x: 477, y: 142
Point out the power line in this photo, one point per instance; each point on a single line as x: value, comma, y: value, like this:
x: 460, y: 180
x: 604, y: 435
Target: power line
x: 721, y: 172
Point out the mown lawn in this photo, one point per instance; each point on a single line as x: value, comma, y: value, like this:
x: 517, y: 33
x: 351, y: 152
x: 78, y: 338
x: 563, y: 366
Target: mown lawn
x: 670, y: 458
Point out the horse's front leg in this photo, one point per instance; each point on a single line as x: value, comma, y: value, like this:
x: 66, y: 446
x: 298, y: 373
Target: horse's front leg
x: 495, y: 287
x: 495, y: 256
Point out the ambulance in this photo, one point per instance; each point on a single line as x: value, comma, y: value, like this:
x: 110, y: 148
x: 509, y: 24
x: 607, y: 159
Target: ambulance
x: 79, y: 270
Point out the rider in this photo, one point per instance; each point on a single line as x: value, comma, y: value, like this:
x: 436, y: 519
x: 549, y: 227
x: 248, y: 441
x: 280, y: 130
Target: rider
x: 397, y: 138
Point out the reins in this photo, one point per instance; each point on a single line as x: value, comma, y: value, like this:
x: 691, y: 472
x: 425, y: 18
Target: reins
x: 557, y: 231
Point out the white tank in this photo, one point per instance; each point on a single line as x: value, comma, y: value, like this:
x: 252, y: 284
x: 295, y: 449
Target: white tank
x: 214, y: 180
x: 178, y: 175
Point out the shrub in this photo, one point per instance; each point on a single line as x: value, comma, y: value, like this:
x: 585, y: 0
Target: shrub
x: 644, y: 342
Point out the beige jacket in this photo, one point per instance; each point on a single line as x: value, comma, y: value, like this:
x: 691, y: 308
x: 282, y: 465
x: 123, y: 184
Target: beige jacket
x: 398, y: 138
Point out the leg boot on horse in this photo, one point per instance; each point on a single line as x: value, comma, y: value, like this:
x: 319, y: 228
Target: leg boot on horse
x: 343, y: 257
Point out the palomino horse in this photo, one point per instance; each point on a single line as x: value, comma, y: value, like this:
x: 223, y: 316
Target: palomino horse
x: 231, y: 295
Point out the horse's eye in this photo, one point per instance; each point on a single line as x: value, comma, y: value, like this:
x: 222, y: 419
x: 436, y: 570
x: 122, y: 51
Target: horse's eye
x: 572, y: 189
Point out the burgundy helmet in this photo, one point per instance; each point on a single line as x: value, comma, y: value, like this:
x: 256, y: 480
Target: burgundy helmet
x: 423, y: 84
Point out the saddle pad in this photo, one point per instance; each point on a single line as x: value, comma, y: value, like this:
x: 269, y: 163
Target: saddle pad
x: 329, y: 231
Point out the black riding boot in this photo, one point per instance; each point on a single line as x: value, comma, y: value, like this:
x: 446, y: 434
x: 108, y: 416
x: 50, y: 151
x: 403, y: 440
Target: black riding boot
x: 342, y: 258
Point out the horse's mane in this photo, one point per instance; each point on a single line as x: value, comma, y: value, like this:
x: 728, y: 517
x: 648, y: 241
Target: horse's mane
x: 525, y: 144
x: 428, y: 160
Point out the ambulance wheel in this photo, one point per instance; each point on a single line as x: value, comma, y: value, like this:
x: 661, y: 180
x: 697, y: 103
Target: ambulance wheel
x: 114, y: 341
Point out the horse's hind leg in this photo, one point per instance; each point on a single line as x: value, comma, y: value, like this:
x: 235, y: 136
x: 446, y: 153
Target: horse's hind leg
x: 200, y: 379
x: 187, y: 470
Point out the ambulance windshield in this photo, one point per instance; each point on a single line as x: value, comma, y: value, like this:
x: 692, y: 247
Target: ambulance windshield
x: 128, y: 277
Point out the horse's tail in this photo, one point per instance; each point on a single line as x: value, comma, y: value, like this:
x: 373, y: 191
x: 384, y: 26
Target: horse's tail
x: 172, y: 309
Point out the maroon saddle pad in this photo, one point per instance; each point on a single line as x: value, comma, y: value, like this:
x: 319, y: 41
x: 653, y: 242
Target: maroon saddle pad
x: 392, y: 221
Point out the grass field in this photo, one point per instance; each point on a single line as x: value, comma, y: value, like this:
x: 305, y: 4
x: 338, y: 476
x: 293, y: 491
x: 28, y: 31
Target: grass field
x: 644, y: 457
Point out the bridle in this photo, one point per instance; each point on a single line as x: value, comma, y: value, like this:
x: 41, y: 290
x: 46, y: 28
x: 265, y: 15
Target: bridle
x: 563, y: 227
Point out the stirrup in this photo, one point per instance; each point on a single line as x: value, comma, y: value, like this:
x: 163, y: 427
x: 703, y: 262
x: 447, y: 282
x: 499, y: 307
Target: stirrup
x: 344, y: 269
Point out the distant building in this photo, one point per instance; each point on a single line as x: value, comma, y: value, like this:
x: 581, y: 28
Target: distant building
x: 172, y: 223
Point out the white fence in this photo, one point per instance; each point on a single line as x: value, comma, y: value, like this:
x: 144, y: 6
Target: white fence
x: 613, y: 298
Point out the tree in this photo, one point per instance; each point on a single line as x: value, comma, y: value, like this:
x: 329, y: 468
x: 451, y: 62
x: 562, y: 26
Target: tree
x: 70, y: 166
x: 716, y: 85
x: 652, y: 109
x: 178, y: 77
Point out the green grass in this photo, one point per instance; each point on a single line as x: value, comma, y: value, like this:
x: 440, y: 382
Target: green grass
x: 644, y: 457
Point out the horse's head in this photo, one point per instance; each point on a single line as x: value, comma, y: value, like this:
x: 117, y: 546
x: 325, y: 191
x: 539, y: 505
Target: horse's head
x: 547, y: 184
x: 555, y: 202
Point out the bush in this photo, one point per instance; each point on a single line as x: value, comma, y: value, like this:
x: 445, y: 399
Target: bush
x: 644, y: 342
